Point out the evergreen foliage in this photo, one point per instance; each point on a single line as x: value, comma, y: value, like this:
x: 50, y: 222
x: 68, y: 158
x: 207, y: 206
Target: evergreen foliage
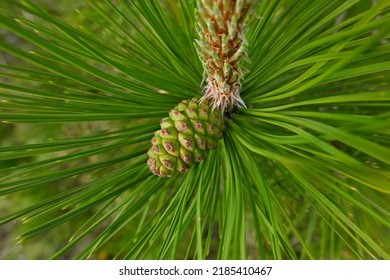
x: 302, y: 173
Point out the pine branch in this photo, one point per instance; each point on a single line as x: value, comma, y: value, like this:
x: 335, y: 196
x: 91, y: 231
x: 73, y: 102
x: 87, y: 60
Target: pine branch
x: 221, y: 47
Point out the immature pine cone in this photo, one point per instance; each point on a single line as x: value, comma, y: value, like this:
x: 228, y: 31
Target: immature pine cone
x: 185, y: 137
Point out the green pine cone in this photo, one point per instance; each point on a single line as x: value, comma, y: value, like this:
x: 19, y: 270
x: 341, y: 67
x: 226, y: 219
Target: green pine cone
x: 185, y: 137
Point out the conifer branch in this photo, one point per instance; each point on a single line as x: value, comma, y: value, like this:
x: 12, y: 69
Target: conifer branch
x: 221, y: 46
